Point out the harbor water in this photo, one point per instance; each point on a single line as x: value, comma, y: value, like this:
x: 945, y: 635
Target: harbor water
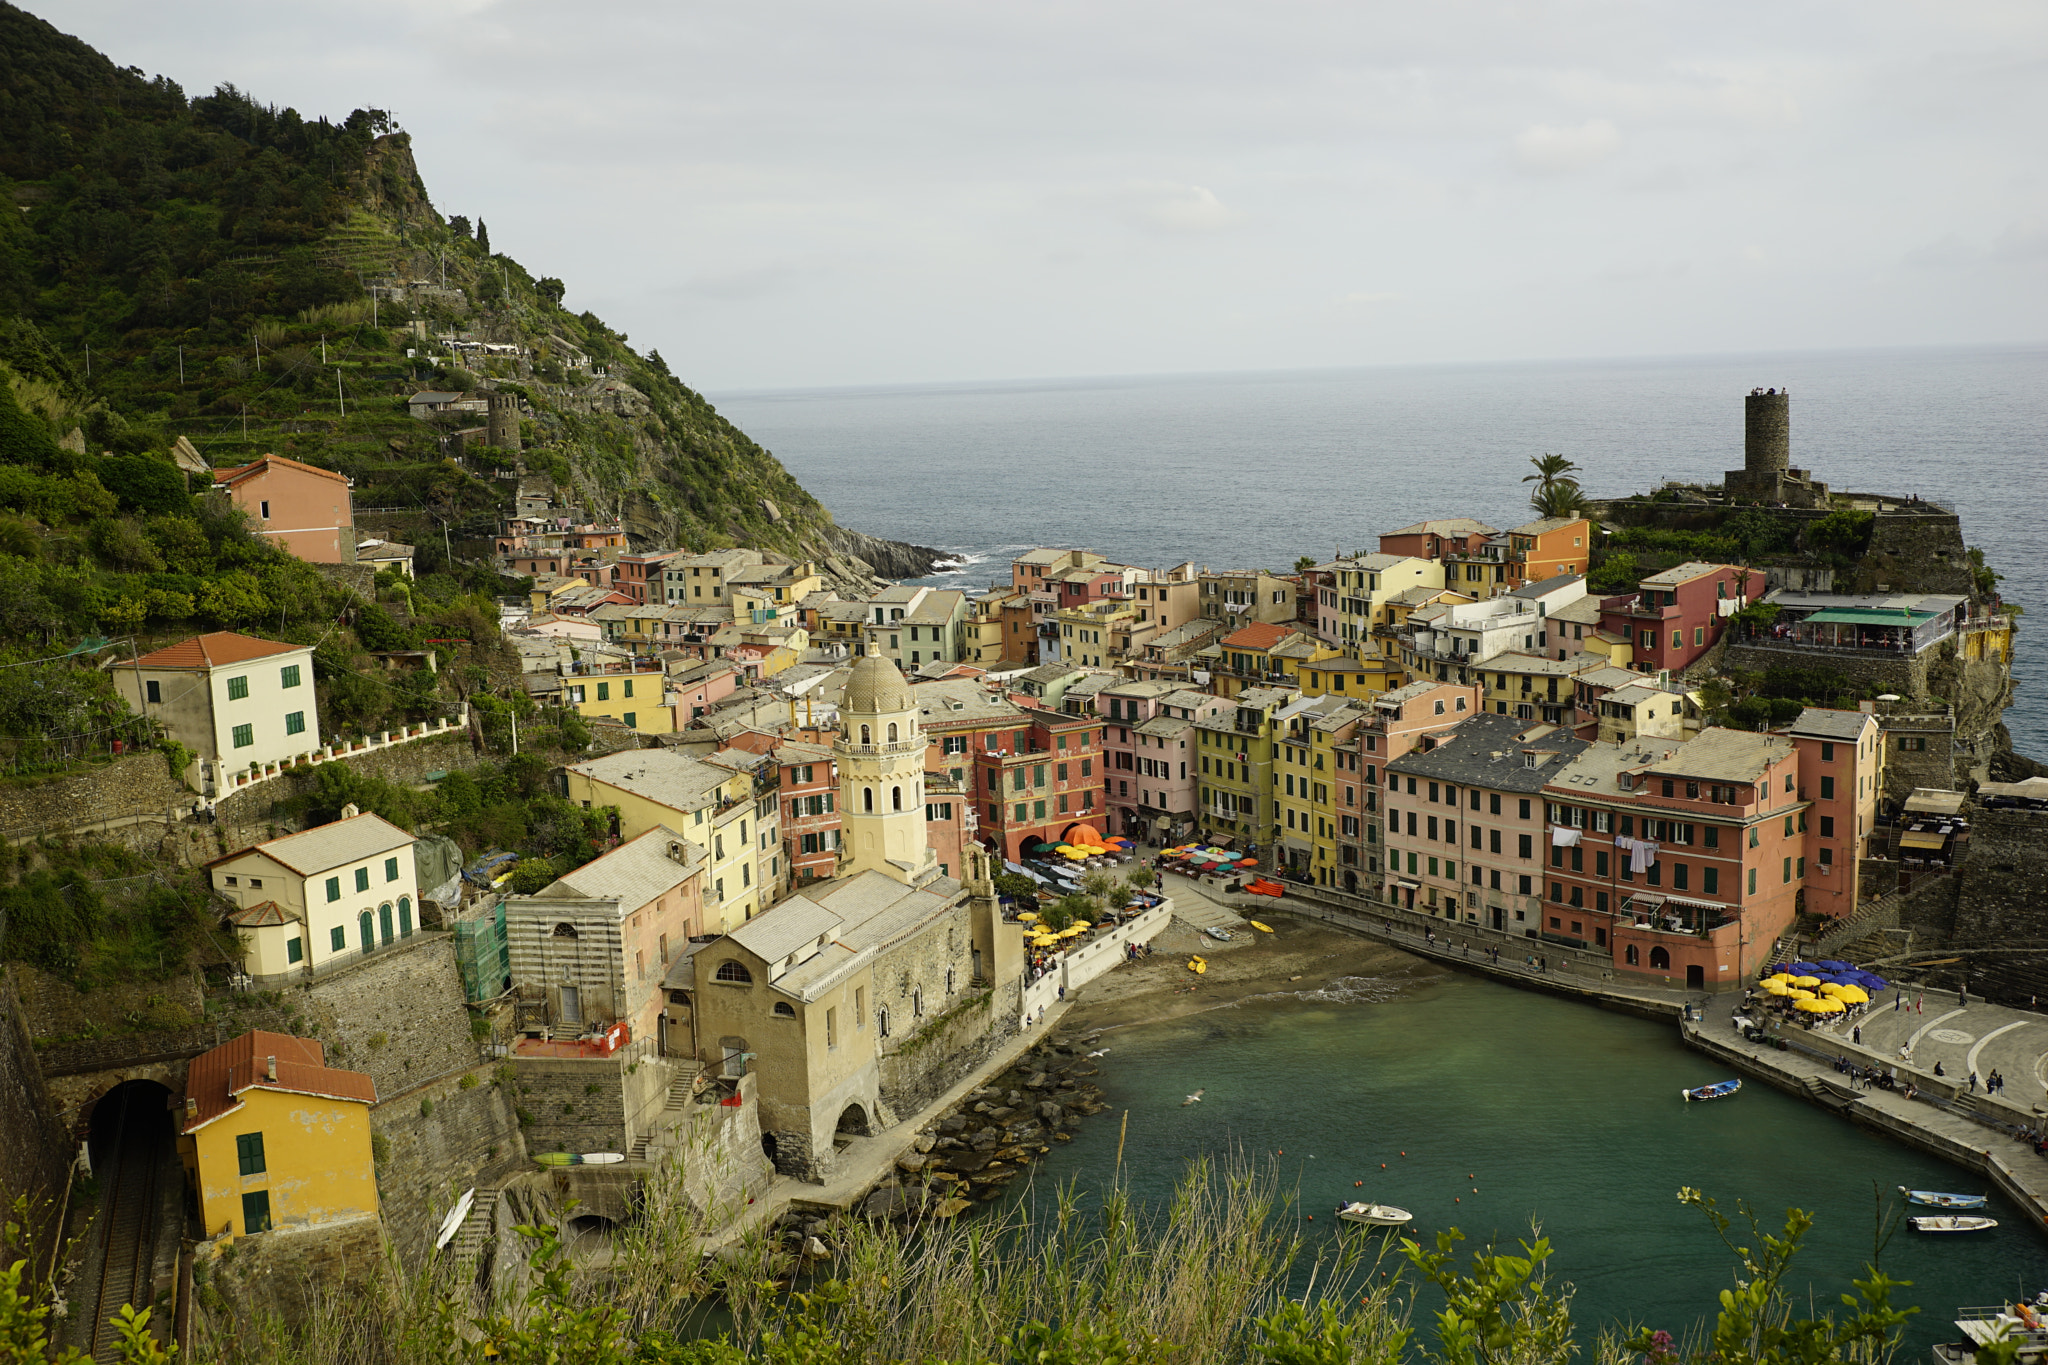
x: 1510, y: 1106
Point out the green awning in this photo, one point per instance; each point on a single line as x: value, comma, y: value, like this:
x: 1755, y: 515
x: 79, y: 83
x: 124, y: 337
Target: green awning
x: 1868, y: 616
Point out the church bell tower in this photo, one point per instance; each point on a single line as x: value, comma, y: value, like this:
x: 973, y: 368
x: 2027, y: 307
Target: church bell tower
x: 881, y: 749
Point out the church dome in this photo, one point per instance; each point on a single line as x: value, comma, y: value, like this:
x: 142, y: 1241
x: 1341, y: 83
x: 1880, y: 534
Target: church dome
x: 876, y: 686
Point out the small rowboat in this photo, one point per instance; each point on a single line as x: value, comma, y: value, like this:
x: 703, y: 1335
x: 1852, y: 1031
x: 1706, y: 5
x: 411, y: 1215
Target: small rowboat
x: 1220, y: 935
x: 1719, y: 1090
x: 580, y: 1158
x: 1374, y: 1215
x: 1951, y: 1223
x: 1262, y: 928
x: 1935, y: 1199
x: 1198, y: 965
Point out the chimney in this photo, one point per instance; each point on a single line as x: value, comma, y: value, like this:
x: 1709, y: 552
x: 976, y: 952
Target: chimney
x: 270, y: 1068
x: 191, y: 1107
x: 350, y: 811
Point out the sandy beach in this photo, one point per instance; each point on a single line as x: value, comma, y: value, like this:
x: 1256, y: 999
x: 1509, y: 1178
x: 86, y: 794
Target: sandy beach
x: 1295, y: 958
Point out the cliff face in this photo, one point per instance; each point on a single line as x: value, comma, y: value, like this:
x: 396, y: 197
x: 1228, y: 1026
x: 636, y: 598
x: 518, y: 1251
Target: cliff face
x: 309, y: 286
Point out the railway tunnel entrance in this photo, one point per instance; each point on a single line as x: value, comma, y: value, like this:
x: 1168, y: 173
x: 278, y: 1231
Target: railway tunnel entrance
x: 131, y: 1248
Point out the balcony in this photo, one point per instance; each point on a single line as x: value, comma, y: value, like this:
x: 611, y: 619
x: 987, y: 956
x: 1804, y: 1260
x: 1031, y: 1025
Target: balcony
x: 1659, y: 913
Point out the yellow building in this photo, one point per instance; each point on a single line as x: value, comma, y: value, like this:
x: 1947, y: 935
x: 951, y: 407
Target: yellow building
x: 727, y: 805
x: 1235, y: 772
x: 1341, y: 677
x: 635, y: 700
x: 272, y: 1137
x: 1352, y: 595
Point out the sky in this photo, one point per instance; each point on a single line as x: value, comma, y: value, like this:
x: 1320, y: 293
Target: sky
x: 797, y: 193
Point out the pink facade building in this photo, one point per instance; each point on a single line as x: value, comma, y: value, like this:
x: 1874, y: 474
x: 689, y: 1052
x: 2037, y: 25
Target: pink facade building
x: 1151, y: 784
x: 1675, y: 616
x: 305, y: 510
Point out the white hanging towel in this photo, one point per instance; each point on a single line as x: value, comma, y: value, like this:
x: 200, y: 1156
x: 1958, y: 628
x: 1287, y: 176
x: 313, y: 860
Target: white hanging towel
x: 1560, y: 837
x: 1642, y: 856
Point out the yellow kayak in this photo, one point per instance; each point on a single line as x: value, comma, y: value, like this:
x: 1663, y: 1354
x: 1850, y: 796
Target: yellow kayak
x: 1197, y: 965
x: 1262, y: 928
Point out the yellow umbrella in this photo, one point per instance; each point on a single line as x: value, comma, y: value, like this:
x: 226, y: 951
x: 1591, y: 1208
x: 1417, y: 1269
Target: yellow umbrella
x: 1028, y: 915
x: 1777, y: 988
x: 1044, y: 941
x: 1071, y: 930
x: 1083, y: 924
x: 1852, y: 995
x: 1831, y: 988
x: 1782, y: 978
x: 1803, y: 995
x: 1807, y: 981
x: 1821, y: 1006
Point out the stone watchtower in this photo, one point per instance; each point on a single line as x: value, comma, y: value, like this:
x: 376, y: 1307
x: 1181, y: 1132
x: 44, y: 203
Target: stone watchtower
x: 1767, y: 475
x: 504, y: 422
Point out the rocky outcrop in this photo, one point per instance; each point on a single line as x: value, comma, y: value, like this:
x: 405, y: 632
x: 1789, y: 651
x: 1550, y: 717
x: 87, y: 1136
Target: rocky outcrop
x: 888, y: 558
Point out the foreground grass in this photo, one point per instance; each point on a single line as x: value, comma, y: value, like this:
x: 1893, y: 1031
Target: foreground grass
x: 1220, y: 1275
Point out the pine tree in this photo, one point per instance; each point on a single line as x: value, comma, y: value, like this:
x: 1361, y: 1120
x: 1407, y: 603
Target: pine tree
x: 483, y: 236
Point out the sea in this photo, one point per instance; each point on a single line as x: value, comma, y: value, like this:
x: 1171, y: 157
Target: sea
x: 1259, y: 469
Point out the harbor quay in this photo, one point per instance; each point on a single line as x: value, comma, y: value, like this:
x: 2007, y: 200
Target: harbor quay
x: 1905, y: 1032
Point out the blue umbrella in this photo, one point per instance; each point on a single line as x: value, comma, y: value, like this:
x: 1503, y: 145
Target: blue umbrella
x: 1807, y: 968
x: 1839, y: 966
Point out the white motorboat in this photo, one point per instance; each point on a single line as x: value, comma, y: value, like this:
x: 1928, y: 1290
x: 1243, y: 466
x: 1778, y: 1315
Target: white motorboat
x: 2023, y: 1324
x: 1374, y: 1215
x: 1952, y: 1223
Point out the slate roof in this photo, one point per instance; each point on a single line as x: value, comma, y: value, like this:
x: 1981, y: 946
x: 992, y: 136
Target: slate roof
x: 217, y: 1079
x: 635, y: 872
x: 670, y: 779
x: 1817, y: 722
x: 1595, y: 770
x: 1532, y: 591
x: 1726, y: 756
x: 337, y: 844
x: 1487, y: 750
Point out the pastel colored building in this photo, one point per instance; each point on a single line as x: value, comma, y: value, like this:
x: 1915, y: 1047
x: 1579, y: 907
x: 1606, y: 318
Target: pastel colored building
x: 1040, y: 779
x: 320, y: 898
x: 1675, y: 616
x: 272, y: 1138
x: 1150, y: 755
x: 638, y: 701
x: 304, y: 509
x: 1351, y: 594
x: 1438, y: 538
x: 1841, y: 771
x: 235, y: 700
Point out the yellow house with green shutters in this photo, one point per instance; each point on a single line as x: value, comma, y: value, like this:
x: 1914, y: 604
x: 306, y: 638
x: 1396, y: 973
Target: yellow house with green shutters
x: 635, y: 700
x: 273, y: 1138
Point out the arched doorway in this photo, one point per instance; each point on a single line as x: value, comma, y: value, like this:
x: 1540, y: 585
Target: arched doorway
x: 1660, y: 959
x: 587, y: 1232
x: 768, y: 1147
x: 853, y: 1123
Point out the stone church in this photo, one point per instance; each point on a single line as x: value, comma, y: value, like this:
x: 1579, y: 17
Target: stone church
x: 860, y: 999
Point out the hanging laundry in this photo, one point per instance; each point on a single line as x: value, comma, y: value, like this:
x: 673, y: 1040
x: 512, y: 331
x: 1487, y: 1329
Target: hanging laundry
x: 1642, y: 856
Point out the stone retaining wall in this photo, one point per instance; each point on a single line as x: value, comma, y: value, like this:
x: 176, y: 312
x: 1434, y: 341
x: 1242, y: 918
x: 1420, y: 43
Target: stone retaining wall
x: 441, y: 1138
x: 132, y: 785
x: 34, y: 1145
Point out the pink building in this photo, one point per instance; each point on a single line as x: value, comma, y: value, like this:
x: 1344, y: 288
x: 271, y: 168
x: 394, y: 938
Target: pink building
x: 697, y: 688
x: 1400, y: 720
x: 1150, y: 771
x: 1841, y: 769
x: 305, y: 510
x: 1675, y: 616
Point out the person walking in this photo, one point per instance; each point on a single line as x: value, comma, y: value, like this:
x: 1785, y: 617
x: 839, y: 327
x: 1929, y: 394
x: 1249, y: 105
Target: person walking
x: 1962, y: 996
x: 1897, y: 997
x: 1919, y: 1002
x: 1973, y: 1082
x: 1856, y: 1035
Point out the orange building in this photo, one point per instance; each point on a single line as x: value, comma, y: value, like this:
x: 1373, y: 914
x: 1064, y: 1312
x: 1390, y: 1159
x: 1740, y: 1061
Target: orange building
x: 1542, y: 550
x: 305, y: 510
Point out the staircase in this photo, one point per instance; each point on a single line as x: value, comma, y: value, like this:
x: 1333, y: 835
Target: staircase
x: 680, y: 1091
x: 1833, y: 1096
x: 469, y: 1238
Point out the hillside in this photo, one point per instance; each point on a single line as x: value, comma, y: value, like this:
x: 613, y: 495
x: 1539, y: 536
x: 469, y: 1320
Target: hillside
x: 253, y: 280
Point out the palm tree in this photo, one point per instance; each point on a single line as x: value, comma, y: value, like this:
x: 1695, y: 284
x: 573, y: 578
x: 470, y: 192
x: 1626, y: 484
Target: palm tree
x: 1549, y: 469
x: 1559, y: 498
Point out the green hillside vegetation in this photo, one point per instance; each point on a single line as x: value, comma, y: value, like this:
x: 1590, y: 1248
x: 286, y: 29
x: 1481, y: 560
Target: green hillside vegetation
x: 201, y: 267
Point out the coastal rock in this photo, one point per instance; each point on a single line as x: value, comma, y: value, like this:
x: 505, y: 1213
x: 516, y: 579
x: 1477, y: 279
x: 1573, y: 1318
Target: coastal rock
x: 982, y: 1108
x: 910, y: 1163
x: 984, y: 1140
x: 948, y: 1207
x: 924, y: 1143
x: 1037, y: 1082
x: 816, y: 1248
x: 1004, y: 1112
x: 1015, y: 1097
x: 1050, y: 1112
x: 952, y: 1123
x: 947, y: 1144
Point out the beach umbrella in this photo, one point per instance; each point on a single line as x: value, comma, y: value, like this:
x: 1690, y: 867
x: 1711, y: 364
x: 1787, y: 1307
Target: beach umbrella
x: 1084, y: 924
x: 1776, y: 988
x: 1805, y: 968
x: 1839, y: 966
x: 1806, y: 981
x: 1819, y: 1006
x: 1853, y: 995
x: 1778, y: 977
x: 1071, y: 930
x: 1028, y: 915
x: 1803, y: 995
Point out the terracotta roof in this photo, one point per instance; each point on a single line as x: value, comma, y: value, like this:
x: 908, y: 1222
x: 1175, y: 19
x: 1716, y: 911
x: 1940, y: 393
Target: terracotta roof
x: 1257, y: 635
x: 215, y: 650
x: 261, y: 915
x: 240, y: 472
x: 215, y: 1080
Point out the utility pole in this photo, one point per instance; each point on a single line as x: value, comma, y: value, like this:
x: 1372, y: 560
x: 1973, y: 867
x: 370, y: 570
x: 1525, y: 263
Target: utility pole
x: 88, y: 360
x: 323, y: 348
x: 181, y: 367
x: 340, y: 397
x: 259, y: 351
x: 515, y: 730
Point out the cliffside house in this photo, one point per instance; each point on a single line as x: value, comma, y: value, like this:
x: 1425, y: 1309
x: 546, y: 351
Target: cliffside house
x: 321, y: 898
x: 234, y: 700
x: 306, y: 510
x: 273, y: 1138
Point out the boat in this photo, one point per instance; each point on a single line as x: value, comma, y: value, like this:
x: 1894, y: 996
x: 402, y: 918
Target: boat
x: 1948, y: 1222
x: 580, y: 1158
x: 1935, y: 1199
x: 1262, y: 928
x: 2025, y: 1325
x: 1198, y: 965
x: 1374, y: 1215
x: 1220, y: 935
x: 1719, y: 1090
